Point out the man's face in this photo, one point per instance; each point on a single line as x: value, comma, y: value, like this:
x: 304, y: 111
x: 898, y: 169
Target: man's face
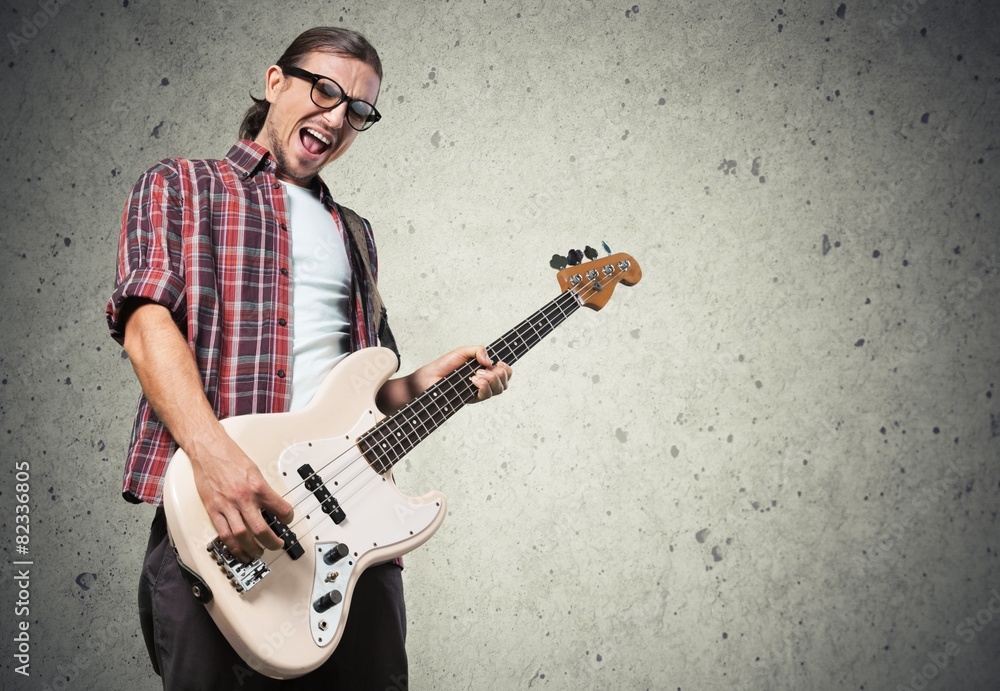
x: 299, y: 153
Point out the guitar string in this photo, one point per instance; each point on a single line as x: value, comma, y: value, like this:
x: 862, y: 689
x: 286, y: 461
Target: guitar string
x: 577, y: 292
x: 343, y: 486
x: 336, y: 477
x: 452, y: 387
x: 592, y: 286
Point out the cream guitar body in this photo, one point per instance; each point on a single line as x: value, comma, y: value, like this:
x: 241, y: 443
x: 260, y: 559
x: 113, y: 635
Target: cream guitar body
x: 285, y: 612
x: 273, y: 624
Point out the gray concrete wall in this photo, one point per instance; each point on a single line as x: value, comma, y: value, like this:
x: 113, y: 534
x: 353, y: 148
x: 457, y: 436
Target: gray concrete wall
x: 770, y: 465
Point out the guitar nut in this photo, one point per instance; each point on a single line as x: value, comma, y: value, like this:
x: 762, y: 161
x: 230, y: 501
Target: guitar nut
x: 322, y: 625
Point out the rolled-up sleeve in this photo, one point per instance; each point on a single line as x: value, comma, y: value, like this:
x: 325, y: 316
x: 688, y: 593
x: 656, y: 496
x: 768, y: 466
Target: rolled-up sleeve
x: 150, y: 263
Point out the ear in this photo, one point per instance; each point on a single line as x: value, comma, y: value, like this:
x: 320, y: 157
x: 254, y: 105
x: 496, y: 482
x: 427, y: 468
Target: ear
x: 273, y: 83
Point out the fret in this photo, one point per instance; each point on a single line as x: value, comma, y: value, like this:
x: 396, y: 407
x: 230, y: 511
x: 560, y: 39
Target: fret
x: 540, y: 326
x: 422, y: 423
x: 519, y: 340
x: 387, y: 452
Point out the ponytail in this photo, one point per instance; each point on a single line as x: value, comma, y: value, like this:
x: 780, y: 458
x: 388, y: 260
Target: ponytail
x: 253, y: 119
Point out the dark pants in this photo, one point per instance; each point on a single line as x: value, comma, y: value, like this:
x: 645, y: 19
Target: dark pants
x: 189, y: 652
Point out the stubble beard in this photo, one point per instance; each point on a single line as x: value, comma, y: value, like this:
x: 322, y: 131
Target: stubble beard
x: 280, y: 156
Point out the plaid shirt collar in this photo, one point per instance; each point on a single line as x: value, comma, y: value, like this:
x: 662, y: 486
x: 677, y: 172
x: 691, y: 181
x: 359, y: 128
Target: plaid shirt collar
x: 250, y: 158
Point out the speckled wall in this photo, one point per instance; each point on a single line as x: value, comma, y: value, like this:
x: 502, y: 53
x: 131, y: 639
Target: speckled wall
x: 772, y: 464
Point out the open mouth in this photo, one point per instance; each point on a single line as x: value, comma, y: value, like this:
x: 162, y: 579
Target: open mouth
x: 313, y: 141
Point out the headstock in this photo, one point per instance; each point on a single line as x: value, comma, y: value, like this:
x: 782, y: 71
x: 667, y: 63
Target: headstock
x: 594, y: 281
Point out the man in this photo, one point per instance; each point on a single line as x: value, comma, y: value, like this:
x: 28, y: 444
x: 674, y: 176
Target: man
x: 238, y: 289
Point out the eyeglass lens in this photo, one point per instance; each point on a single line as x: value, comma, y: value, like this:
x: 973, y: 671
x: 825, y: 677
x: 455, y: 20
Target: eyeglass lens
x: 327, y: 93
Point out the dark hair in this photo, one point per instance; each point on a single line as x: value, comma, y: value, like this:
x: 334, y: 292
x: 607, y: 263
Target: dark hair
x: 321, y: 39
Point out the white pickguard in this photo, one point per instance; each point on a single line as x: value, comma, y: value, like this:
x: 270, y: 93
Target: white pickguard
x: 377, y: 515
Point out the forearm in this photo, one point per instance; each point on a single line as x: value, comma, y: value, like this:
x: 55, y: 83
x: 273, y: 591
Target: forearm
x: 169, y: 377
x: 396, y: 393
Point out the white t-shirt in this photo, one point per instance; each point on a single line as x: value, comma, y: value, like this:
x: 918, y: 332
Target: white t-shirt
x: 321, y: 293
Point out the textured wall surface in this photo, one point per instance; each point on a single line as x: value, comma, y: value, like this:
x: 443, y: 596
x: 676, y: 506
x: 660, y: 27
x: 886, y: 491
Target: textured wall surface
x: 773, y: 464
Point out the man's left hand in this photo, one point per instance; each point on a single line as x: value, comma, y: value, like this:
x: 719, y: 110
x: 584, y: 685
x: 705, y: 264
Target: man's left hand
x: 492, y: 378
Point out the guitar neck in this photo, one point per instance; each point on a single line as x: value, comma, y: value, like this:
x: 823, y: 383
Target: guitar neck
x: 394, y: 437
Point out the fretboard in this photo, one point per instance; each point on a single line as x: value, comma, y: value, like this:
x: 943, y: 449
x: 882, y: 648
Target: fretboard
x: 394, y: 437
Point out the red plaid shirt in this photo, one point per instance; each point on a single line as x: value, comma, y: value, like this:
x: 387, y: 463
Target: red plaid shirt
x: 210, y: 241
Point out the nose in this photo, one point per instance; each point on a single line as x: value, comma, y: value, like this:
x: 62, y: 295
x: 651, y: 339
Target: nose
x: 335, y: 116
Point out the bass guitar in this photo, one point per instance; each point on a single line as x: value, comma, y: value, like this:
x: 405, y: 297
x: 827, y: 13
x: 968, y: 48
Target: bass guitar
x: 285, y: 611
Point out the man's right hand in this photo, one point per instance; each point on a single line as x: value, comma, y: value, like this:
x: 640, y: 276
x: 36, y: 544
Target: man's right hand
x: 234, y: 491
x: 230, y: 485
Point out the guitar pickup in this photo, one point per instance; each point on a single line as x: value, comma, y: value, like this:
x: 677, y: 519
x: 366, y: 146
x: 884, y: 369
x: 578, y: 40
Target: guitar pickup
x: 290, y: 540
x: 327, y: 502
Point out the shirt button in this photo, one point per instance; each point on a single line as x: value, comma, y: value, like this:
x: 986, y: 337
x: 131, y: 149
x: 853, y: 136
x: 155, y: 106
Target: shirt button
x: 275, y: 185
x: 281, y: 374
x: 282, y: 322
x: 283, y: 226
x: 283, y: 271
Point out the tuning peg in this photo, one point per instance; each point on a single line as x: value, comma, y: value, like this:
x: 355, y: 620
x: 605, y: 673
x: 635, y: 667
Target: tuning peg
x: 589, y: 252
x: 574, y: 257
x: 605, y: 246
x: 558, y: 262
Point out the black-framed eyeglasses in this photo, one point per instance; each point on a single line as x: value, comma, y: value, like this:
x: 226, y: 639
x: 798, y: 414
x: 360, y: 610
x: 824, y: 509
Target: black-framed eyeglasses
x: 328, y: 94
